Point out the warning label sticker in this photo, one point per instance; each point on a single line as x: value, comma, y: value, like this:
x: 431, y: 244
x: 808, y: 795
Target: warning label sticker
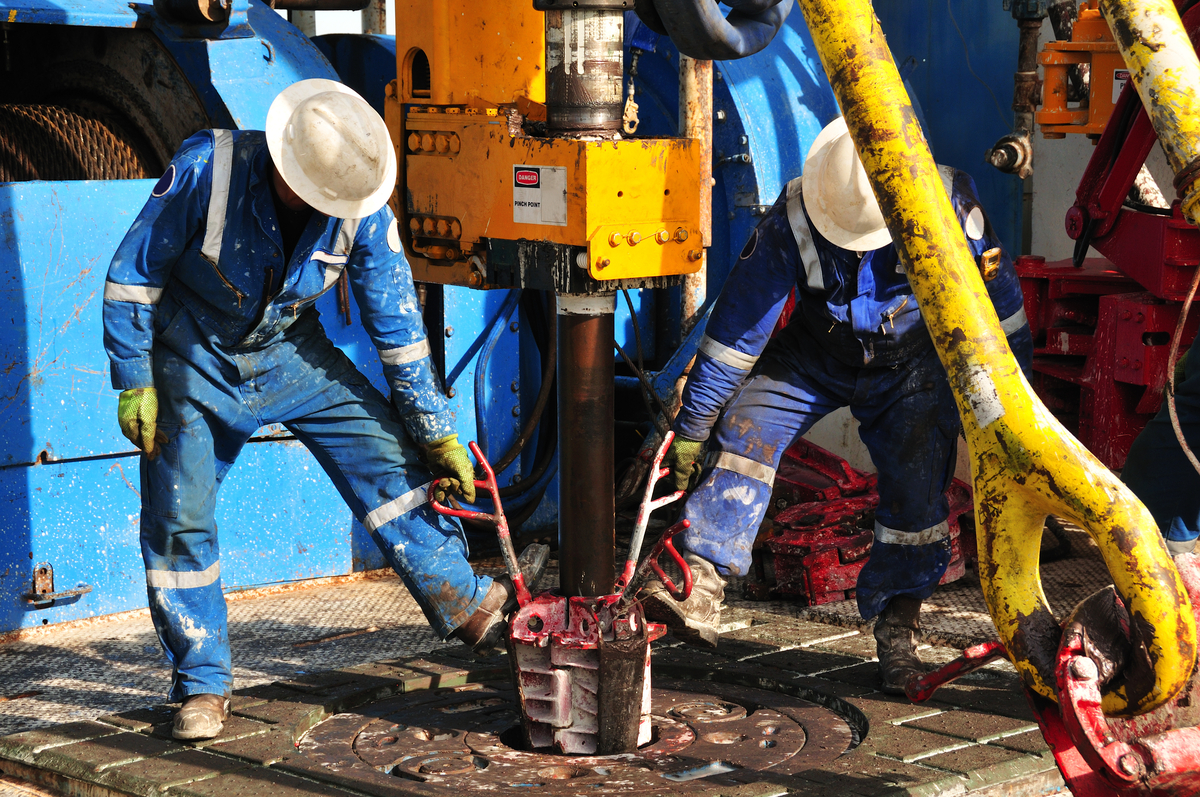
x: 1120, y: 78
x: 540, y: 195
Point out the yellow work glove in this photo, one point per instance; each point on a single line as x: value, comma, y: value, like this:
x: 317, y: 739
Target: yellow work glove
x: 137, y: 413
x: 683, y: 458
x: 451, y: 466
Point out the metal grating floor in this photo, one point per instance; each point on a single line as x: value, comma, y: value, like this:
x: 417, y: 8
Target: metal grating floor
x: 956, y: 615
x: 75, y: 673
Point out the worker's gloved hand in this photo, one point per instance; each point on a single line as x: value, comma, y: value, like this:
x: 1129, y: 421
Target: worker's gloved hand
x: 683, y: 458
x: 137, y: 413
x: 451, y: 464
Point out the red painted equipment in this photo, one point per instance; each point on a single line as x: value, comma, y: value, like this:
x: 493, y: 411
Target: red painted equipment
x: 1151, y: 755
x: 1100, y: 350
x: 582, y: 664
x: 1102, y: 330
x: 820, y: 529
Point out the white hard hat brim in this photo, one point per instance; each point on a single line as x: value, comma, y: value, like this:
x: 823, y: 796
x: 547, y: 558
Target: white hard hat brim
x: 810, y: 184
x: 278, y: 116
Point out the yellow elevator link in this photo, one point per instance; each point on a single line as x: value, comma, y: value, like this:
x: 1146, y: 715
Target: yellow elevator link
x: 1025, y: 465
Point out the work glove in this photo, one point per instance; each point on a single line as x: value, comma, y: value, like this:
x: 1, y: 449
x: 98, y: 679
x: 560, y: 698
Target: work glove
x: 137, y: 414
x: 683, y: 458
x: 451, y: 465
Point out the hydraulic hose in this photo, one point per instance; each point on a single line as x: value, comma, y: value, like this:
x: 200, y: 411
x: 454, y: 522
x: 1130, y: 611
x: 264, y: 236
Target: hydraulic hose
x: 699, y: 30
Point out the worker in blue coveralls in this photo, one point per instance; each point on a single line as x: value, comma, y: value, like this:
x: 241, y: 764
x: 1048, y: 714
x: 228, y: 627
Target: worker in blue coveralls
x: 210, y: 327
x: 856, y: 339
x: 1159, y: 472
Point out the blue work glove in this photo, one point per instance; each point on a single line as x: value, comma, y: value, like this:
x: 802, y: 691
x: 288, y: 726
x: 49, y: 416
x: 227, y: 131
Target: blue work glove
x: 451, y: 465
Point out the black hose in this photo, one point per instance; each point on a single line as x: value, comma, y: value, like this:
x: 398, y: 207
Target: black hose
x: 697, y: 28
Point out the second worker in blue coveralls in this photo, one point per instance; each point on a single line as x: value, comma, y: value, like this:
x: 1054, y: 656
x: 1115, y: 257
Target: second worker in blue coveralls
x: 856, y: 339
x: 211, y: 330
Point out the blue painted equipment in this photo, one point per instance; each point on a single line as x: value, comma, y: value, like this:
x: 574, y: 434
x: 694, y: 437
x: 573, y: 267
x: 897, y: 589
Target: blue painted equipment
x: 69, y: 479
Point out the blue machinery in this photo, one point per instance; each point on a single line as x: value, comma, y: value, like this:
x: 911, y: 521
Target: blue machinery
x: 69, y: 481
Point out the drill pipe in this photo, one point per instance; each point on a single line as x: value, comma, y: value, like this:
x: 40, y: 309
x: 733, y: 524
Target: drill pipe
x: 587, y: 511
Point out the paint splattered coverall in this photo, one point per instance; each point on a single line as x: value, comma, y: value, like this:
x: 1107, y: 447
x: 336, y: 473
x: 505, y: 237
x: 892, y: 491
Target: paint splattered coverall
x: 200, y: 305
x: 857, y: 339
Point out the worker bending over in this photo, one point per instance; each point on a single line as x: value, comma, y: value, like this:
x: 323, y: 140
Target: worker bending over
x: 857, y: 339
x: 210, y: 325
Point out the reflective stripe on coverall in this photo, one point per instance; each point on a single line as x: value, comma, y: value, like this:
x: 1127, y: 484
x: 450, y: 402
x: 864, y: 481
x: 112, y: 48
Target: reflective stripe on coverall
x: 1158, y: 471
x: 186, y: 310
x: 856, y: 339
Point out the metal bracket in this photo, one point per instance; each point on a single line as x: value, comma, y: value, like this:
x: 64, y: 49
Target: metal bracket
x: 43, y: 593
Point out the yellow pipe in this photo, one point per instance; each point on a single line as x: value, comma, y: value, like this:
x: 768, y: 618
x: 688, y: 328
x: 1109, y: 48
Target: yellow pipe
x: 1164, y: 69
x: 1025, y: 465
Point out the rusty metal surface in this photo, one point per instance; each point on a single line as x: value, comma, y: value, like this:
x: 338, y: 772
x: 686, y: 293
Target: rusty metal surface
x: 586, y: 472
x: 706, y: 735
x: 584, y: 70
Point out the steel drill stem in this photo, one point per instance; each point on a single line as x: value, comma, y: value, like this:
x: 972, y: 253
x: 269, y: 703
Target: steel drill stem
x: 586, y: 522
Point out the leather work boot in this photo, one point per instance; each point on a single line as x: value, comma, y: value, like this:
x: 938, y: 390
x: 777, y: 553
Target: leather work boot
x: 200, y: 717
x: 895, y: 643
x: 697, y: 620
x: 484, y: 630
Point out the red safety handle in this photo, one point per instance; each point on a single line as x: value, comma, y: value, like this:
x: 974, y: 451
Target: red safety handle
x: 497, y: 519
x: 450, y: 511
x: 666, y: 544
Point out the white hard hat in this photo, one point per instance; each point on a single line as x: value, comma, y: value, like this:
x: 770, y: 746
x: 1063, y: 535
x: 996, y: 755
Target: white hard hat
x: 331, y: 148
x: 837, y: 193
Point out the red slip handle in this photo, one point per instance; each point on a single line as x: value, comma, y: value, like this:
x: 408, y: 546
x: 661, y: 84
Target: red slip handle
x: 450, y: 511
x: 497, y: 519
x: 922, y: 688
x: 666, y: 544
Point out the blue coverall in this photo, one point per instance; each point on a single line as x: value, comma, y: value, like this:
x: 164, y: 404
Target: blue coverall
x: 857, y: 339
x: 1158, y: 471
x: 189, y: 309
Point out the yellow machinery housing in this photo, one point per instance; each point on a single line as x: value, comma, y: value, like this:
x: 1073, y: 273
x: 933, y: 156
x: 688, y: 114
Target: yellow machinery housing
x: 479, y: 173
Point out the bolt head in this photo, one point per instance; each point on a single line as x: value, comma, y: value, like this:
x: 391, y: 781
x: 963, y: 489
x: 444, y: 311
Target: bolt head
x: 662, y: 236
x: 681, y: 234
x: 634, y: 237
x: 1084, y: 668
x: 1130, y: 764
x: 615, y: 239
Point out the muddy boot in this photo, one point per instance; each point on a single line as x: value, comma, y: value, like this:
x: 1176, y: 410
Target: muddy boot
x: 697, y: 620
x: 483, y: 632
x: 200, y: 717
x: 895, y: 643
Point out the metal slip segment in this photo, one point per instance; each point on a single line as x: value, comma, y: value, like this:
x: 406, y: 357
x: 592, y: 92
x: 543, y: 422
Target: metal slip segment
x: 581, y: 664
x: 1025, y: 465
